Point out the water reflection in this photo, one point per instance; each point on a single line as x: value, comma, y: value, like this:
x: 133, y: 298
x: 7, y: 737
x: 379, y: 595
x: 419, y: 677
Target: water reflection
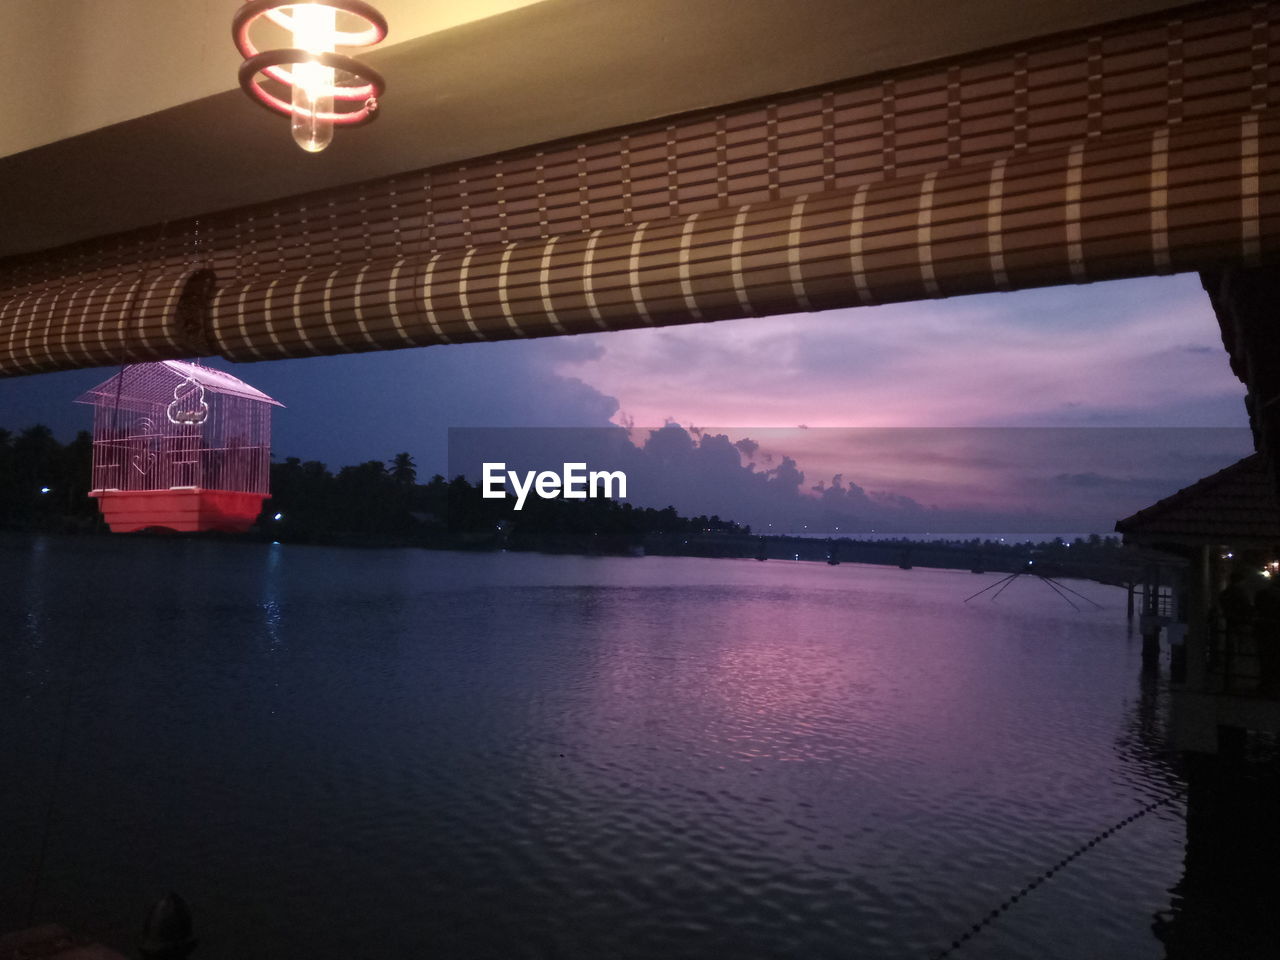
x: 271, y: 615
x: 1224, y: 905
x: 36, y: 672
x: 337, y: 753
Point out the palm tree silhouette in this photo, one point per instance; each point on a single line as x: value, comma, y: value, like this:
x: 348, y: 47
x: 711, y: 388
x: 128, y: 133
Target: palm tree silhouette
x: 403, y: 469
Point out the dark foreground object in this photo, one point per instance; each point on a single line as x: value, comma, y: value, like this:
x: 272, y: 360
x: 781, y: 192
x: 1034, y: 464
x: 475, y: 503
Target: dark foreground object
x: 168, y: 935
x: 51, y: 942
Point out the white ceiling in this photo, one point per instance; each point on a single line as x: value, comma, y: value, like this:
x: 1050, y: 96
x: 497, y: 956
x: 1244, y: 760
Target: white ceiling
x: 127, y: 111
x: 86, y: 64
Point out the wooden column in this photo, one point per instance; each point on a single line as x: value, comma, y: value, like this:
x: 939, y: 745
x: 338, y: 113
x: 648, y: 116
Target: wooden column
x: 1199, y: 609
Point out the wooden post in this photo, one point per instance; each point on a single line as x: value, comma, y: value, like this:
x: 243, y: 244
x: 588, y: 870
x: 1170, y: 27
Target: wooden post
x: 1151, y: 623
x: 1200, y: 597
x: 1151, y: 648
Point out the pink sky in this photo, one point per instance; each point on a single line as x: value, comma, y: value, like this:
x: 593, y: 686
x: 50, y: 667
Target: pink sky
x: 1128, y: 353
x: 1140, y: 352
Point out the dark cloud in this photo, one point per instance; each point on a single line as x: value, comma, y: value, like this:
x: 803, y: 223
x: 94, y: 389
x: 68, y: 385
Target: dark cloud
x: 1001, y: 486
x: 347, y: 409
x: 1085, y: 480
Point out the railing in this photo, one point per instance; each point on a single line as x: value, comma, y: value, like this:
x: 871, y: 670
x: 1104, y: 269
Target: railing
x: 1163, y: 604
x: 1157, y: 600
x: 1238, y: 659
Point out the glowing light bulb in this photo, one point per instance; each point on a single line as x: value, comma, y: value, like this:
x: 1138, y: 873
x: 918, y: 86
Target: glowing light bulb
x: 314, y: 29
x: 326, y: 89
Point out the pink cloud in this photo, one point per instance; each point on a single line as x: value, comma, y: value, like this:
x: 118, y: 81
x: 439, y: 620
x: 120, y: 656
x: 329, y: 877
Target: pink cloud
x: 1134, y: 352
x: 1129, y: 353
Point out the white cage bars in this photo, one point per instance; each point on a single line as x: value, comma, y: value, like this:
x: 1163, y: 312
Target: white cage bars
x: 177, y: 425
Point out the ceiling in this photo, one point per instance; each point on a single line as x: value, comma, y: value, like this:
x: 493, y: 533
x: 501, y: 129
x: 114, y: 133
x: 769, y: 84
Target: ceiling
x: 126, y: 120
x: 93, y: 63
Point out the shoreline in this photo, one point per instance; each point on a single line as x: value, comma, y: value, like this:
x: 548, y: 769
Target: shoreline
x: 1106, y: 561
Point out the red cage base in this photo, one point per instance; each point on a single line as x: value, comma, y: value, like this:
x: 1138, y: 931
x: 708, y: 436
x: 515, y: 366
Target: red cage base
x: 183, y: 510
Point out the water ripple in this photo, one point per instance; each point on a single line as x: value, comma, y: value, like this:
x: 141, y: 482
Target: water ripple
x: 368, y: 754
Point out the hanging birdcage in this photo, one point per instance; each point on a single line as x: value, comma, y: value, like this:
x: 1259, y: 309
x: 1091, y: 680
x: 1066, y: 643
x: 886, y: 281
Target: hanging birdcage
x: 179, y: 446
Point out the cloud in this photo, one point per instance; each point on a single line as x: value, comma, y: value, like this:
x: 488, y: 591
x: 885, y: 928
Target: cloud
x: 1126, y: 353
x: 1012, y: 481
x: 1086, y: 480
x: 369, y: 406
x: 350, y: 408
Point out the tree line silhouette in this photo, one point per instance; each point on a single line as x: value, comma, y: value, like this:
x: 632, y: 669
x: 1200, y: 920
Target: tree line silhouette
x: 44, y: 486
x: 383, y: 502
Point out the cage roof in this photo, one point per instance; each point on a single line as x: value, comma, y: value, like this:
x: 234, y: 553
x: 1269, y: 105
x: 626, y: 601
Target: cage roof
x: 215, y: 381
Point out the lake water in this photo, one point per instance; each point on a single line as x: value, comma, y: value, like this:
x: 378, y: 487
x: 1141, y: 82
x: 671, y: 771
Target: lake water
x: 369, y: 754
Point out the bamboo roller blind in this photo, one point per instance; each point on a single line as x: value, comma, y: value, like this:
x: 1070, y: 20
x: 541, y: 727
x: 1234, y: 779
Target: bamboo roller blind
x: 1143, y: 147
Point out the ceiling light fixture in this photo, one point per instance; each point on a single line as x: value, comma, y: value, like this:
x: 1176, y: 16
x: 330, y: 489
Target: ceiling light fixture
x: 310, y: 81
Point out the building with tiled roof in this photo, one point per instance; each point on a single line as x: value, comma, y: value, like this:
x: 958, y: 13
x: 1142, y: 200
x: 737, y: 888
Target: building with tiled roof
x: 1223, y: 529
x: 1236, y: 506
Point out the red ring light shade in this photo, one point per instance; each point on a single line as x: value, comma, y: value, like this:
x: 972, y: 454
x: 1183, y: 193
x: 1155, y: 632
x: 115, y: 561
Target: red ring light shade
x: 271, y: 59
x: 270, y: 64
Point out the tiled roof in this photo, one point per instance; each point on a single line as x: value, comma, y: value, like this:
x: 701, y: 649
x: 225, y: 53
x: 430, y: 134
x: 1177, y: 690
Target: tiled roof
x: 1235, y: 506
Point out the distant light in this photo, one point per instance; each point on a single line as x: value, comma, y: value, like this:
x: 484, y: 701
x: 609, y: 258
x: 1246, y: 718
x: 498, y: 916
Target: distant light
x: 275, y: 543
x: 279, y: 516
x: 797, y: 556
x: 1230, y: 556
x: 1267, y: 574
x: 45, y: 489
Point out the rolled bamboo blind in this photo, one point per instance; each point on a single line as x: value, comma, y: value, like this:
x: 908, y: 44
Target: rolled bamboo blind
x: 1168, y: 200
x: 1141, y: 147
x: 137, y: 315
